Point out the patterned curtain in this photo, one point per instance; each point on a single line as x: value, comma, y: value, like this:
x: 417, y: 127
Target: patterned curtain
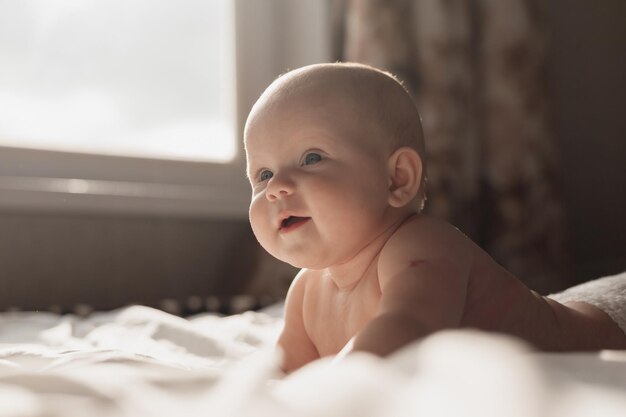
x: 477, y: 72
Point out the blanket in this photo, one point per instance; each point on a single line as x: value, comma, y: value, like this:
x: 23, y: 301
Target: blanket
x: 139, y: 361
x: 608, y: 294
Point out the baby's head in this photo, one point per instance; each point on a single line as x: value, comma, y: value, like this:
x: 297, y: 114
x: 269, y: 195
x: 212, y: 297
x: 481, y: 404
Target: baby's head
x: 332, y: 140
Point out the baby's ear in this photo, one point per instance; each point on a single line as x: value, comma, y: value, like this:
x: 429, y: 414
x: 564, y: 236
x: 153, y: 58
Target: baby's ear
x: 405, y: 174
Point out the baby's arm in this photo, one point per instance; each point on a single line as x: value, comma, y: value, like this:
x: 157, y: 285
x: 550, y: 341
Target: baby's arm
x: 297, y: 347
x: 423, y: 273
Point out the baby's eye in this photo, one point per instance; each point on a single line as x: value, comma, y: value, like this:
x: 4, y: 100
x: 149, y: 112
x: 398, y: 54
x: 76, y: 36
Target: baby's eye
x: 265, y: 175
x: 312, y: 158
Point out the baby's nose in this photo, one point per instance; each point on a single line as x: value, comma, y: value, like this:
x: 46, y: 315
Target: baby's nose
x: 279, y: 187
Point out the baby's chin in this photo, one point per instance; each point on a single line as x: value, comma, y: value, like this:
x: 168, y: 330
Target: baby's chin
x: 306, y: 255
x: 301, y: 261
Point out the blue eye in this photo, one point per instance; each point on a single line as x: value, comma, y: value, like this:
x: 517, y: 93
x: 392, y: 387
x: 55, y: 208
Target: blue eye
x: 266, y: 175
x: 312, y: 158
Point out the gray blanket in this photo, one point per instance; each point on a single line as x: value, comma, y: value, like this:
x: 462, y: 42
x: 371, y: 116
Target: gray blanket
x: 608, y: 294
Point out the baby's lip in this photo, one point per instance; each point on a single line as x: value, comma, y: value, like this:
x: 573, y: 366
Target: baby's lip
x: 284, y: 217
x: 292, y: 222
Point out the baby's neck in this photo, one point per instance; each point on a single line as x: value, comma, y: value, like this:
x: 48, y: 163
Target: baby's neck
x: 347, y: 275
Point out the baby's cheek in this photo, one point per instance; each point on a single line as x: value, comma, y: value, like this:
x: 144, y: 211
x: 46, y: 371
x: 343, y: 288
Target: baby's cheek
x: 258, y: 222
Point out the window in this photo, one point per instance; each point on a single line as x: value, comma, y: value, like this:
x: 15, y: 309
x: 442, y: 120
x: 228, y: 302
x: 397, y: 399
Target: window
x: 138, y: 106
x: 144, y: 78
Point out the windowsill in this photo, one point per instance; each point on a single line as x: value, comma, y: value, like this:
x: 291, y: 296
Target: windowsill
x: 134, y: 186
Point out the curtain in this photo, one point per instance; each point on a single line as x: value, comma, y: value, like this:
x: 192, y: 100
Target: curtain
x: 477, y: 71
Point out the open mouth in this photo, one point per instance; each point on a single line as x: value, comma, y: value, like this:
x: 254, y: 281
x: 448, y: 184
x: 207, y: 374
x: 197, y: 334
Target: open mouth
x: 292, y: 222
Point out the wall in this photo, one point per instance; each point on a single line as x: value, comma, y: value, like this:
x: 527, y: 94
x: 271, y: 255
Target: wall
x: 66, y: 259
x: 588, y: 74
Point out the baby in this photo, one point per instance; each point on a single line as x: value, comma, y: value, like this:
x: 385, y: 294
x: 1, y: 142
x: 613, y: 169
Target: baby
x: 335, y: 157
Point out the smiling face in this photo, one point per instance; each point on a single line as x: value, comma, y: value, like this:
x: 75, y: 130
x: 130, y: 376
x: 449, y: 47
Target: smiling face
x: 321, y: 148
x: 318, y: 171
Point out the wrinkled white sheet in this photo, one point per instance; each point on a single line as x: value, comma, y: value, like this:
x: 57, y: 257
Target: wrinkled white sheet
x: 138, y: 361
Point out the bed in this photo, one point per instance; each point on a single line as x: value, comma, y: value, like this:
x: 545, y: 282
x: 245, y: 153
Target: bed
x: 140, y: 361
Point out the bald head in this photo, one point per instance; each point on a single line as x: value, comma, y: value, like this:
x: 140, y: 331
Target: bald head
x: 378, y: 100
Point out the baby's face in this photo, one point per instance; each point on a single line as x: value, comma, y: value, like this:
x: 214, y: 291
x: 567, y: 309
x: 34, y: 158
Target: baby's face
x: 319, y: 179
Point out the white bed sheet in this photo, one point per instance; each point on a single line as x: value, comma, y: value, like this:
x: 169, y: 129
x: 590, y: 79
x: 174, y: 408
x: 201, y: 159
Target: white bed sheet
x: 138, y: 361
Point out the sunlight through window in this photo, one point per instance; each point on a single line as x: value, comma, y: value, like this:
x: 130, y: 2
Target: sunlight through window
x: 143, y: 78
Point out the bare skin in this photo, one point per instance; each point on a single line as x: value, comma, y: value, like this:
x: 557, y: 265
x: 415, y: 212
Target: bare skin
x: 486, y: 297
x: 335, y: 181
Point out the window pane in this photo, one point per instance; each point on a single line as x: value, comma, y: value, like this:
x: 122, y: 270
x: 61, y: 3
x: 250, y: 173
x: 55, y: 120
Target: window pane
x: 148, y: 78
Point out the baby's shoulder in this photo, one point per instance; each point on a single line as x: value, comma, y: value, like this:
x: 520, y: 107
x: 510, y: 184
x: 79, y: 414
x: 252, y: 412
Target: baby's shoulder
x: 425, y: 234
x: 423, y: 239
x: 298, y: 286
x: 299, y: 283
x: 304, y: 282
